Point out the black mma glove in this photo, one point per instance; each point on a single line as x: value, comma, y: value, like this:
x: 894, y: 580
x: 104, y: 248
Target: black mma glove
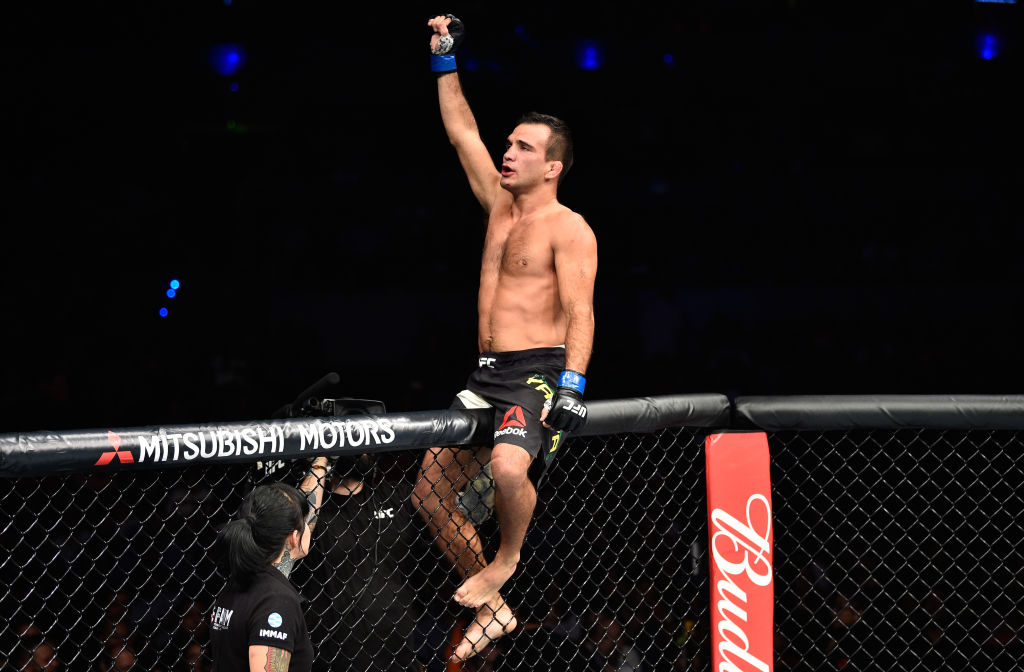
x: 566, y: 410
x: 442, y: 59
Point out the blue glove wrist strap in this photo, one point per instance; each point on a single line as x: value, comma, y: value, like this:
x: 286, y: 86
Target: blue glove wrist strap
x: 572, y: 380
x: 442, y: 63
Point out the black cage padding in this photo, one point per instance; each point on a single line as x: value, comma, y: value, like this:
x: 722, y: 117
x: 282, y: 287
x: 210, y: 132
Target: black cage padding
x: 649, y: 414
x: 179, y: 446
x: 801, y: 412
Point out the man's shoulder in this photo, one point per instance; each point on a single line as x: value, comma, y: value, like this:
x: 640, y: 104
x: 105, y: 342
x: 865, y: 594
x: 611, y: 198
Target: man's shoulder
x: 570, y: 228
x: 564, y: 217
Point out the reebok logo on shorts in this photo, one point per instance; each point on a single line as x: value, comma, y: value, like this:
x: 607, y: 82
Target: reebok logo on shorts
x: 513, y: 418
x: 512, y: 423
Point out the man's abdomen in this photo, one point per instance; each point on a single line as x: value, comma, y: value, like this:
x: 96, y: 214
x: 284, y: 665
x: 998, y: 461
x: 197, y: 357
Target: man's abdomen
x: 520, y: 316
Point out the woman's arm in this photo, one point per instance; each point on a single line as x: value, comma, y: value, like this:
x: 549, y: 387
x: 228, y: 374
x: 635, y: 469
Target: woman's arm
x: 268, y: 659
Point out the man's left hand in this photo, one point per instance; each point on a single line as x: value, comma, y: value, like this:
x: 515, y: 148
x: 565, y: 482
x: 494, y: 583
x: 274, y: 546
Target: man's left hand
x: 565, y: 410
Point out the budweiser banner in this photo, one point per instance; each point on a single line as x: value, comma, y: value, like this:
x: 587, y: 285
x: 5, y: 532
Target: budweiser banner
x: 740, y: 531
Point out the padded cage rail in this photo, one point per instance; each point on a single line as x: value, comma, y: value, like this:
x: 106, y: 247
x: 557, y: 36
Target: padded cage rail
x: 36, y: 453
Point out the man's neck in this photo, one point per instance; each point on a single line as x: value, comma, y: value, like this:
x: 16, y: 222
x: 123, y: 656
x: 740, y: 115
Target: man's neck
x: 527, y: 203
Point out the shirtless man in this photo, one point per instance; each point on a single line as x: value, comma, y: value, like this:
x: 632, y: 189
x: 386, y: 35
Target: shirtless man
x: 536, y: 330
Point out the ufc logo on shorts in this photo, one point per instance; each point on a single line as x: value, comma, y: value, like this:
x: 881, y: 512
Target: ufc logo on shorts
x: 575, y: 409
x: 486, y: 361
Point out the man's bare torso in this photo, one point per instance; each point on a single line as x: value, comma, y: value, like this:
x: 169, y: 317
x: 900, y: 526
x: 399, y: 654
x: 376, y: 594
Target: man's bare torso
x: 519, y: 304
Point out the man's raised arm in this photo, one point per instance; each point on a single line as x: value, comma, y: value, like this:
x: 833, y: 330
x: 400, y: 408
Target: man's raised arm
x: 458, y: 119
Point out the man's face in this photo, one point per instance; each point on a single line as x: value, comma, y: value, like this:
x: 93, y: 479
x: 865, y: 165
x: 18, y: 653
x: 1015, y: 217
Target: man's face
x: 523, y: 165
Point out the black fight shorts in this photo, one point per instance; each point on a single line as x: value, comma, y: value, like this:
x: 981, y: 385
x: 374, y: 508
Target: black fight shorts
x: 516, y: 384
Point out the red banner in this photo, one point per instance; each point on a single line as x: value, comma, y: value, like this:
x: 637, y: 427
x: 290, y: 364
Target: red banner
x: 740, y: 544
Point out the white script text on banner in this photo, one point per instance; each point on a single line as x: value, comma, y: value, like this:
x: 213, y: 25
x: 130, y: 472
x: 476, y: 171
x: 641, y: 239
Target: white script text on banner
x: 740, y: 544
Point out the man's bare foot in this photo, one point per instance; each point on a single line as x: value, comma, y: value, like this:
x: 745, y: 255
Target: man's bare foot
x: 483, y: 586
x: 492, y: 621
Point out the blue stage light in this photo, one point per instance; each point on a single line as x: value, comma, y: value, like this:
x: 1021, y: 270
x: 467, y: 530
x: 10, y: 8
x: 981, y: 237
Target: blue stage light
x: 175, y: 284
x: 988, y: 47
x: 589, y: 56
x: 669, y: 59
x: 163, y: 312
x: 227, y: 59
x: 171, y: 293
x: 234, y: 87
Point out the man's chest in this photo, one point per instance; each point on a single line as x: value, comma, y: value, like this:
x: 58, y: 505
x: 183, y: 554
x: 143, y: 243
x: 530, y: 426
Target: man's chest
x: 522, y: 248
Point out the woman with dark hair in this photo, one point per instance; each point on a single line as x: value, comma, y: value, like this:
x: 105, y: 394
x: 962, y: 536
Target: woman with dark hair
x: 257, y: 622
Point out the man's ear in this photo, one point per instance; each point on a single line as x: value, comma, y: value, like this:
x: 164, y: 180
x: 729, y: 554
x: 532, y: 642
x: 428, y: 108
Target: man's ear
x: 554, y: 170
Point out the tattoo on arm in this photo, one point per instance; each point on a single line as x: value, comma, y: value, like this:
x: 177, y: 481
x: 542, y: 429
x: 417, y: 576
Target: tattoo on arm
x: 277, y: 660
x: 311, y: 497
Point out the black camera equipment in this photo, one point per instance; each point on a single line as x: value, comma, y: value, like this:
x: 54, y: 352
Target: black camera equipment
x: 311, y: 403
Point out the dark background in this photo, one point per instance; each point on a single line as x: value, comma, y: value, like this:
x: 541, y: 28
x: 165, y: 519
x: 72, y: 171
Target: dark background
x: 802, y: 199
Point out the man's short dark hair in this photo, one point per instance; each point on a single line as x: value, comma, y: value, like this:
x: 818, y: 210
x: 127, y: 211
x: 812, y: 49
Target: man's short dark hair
x: 560, y: 146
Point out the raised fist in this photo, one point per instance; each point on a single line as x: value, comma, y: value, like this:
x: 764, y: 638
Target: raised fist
x: 447, y: 37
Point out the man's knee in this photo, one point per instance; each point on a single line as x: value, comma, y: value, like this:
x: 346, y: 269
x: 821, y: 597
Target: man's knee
x: 509, y: 468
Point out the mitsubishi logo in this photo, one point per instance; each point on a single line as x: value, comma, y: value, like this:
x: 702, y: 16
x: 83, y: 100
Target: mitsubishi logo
x: 125, y: 457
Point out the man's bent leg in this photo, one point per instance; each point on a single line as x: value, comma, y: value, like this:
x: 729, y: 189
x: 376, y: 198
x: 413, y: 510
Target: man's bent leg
x: 445, y: 471
x: 515, y: 499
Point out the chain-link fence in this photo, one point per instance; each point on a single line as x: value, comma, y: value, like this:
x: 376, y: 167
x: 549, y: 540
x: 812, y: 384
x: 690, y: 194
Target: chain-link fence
x: 115, y: 572
x: 894, y: 549
x: 898, y: 549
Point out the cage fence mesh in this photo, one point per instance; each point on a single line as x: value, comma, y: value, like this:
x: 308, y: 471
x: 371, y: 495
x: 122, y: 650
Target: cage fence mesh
x: 119, y: 572
x: 898, y: 550
x: 893, y: 550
